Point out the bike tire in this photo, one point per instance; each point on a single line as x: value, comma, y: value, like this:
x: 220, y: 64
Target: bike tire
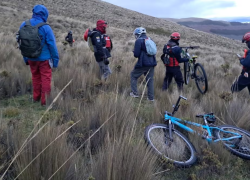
x: 186, y: 72
x: 200, y: 78
x: 181, y: 147
x: 243, y: 148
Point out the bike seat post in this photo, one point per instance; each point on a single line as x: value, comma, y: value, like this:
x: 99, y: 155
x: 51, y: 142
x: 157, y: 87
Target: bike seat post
x: 205, y: 120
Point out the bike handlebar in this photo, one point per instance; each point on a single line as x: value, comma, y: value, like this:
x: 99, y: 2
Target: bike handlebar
x: 191, y: 47
x: 176, y: 106
x: 183, y: 97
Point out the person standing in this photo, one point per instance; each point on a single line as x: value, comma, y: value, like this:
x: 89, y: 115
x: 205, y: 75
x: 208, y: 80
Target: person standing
x: 145, y: 64
x: 244, y: 79
x: 173, y: 50
x: 101, y: 53
x: 69, y: 38
x: 38, y: 47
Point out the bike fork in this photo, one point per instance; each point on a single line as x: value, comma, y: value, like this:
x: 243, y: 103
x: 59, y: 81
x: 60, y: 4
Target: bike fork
x: 170, y: 126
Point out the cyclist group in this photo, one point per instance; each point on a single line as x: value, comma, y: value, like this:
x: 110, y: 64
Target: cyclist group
x: 48, y: 57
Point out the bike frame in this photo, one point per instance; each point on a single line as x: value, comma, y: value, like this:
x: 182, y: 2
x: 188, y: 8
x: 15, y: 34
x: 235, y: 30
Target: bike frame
x: 205, y: 128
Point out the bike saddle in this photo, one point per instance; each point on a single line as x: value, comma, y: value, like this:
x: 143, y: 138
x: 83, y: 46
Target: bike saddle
x: 211, y: 119
x: 194, y: 56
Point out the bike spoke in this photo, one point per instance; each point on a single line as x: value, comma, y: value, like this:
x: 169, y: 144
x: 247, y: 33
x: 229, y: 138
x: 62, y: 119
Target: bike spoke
x: 177, y: 150
x: 240, y: 145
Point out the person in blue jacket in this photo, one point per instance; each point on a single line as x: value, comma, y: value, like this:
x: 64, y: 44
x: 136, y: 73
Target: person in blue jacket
x: 145, y: 64
x: 41, y: 66
x: 244, y: 79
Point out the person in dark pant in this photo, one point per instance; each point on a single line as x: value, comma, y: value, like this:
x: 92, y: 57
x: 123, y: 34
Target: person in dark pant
x: 244, y: 79
x: 144, y: 66
x: 173, y: 50
x: 69, y: 38
x: 100, y: 51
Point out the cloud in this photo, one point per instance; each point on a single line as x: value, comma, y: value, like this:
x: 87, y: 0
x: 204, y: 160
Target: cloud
x: 175, y: 8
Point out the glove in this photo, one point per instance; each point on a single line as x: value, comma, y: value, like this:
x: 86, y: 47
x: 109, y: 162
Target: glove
x: 27, y: 63
x: 106, y: 61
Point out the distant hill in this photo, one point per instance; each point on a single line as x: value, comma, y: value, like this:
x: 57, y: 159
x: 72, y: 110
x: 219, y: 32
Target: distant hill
x: 233, y: 30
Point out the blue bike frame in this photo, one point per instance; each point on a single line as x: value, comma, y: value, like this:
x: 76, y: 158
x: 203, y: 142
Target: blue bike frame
x: 177, y: 121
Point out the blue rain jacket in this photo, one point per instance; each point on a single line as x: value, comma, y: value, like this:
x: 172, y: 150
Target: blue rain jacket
x: 49, y: 51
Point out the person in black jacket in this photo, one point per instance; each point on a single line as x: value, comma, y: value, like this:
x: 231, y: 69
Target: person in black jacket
x: 244, y: 79
x: 100, y: 51
x: 145, y: 64
x: 173, y: 68
x: 69, y: 38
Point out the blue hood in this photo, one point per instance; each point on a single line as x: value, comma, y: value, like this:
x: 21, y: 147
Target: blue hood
x: 40, y: 11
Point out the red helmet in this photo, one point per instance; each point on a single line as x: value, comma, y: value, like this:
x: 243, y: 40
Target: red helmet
x: 246, y: 37
x: 175, y: 36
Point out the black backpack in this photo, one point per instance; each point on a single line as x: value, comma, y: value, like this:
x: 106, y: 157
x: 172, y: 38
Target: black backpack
x: 29, y: 40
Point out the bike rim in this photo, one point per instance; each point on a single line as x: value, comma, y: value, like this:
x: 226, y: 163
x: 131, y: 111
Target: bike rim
x: 200, y: 79
x: 177, y: 151
x: 242, y: 147
x: 187, y: 72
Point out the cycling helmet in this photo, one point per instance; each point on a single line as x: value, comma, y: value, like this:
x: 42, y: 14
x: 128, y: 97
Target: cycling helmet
x: 246, y: 38
x: 139, y: 31
x: 175, y: 36
x: 70, y: 32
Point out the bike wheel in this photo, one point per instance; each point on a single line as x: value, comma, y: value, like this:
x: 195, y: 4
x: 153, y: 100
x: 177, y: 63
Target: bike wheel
x: 186, y: 72
x: 238, y: 147
x: 180, y: 151
x: 200, y: 78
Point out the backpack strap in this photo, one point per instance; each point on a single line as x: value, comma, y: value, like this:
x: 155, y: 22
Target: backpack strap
x: 41, y: 24
x: 27, y: 22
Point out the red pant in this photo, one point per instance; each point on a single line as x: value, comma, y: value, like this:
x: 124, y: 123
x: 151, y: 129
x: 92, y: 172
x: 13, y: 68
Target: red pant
x: 41, y: 79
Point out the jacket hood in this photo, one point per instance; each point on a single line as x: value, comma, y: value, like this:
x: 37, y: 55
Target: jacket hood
x: 172, y: 42
x: 40, y: 11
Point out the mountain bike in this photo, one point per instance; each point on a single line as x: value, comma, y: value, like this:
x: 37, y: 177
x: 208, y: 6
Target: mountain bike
x: 171, y: 145
x: 195, y: 70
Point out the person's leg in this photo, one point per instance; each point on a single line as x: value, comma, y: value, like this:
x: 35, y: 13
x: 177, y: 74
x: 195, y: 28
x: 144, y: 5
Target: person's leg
x: 104, y: 70
x: 168, y: 79
x: 150, y: 83
x: 135, y: 74
x: 248, y: 87
x: 239, y: 84
x: 36, y: 79
x: 46, y: 74
x: 178, y: 78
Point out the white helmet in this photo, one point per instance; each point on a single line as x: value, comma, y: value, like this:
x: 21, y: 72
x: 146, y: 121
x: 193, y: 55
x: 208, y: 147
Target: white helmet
x: 138, y: 31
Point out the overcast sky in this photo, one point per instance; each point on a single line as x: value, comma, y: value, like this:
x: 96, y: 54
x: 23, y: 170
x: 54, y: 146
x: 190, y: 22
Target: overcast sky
x: 188, y: 8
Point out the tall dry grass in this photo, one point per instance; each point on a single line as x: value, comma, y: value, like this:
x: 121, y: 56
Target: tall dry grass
x: 117, y: 150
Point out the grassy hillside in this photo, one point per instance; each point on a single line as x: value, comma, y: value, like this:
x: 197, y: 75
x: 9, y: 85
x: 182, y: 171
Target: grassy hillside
x: 95, y: 130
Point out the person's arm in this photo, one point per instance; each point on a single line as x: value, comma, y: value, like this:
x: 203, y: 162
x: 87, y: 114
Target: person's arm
x: 165, y: 49
x: 137, y: 48
x: 111, y: 47
x: 97, y: 42
x: 51, y: 42
x: 177, y: 54
x: 66, y: 38
x: 246, y: 61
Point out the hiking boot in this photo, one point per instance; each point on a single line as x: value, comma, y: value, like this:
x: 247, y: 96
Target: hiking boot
x: 152, y: 100
x: 132, y: 94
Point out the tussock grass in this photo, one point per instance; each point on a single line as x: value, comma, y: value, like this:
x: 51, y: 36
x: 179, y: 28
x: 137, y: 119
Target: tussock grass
x: 116, y: 149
